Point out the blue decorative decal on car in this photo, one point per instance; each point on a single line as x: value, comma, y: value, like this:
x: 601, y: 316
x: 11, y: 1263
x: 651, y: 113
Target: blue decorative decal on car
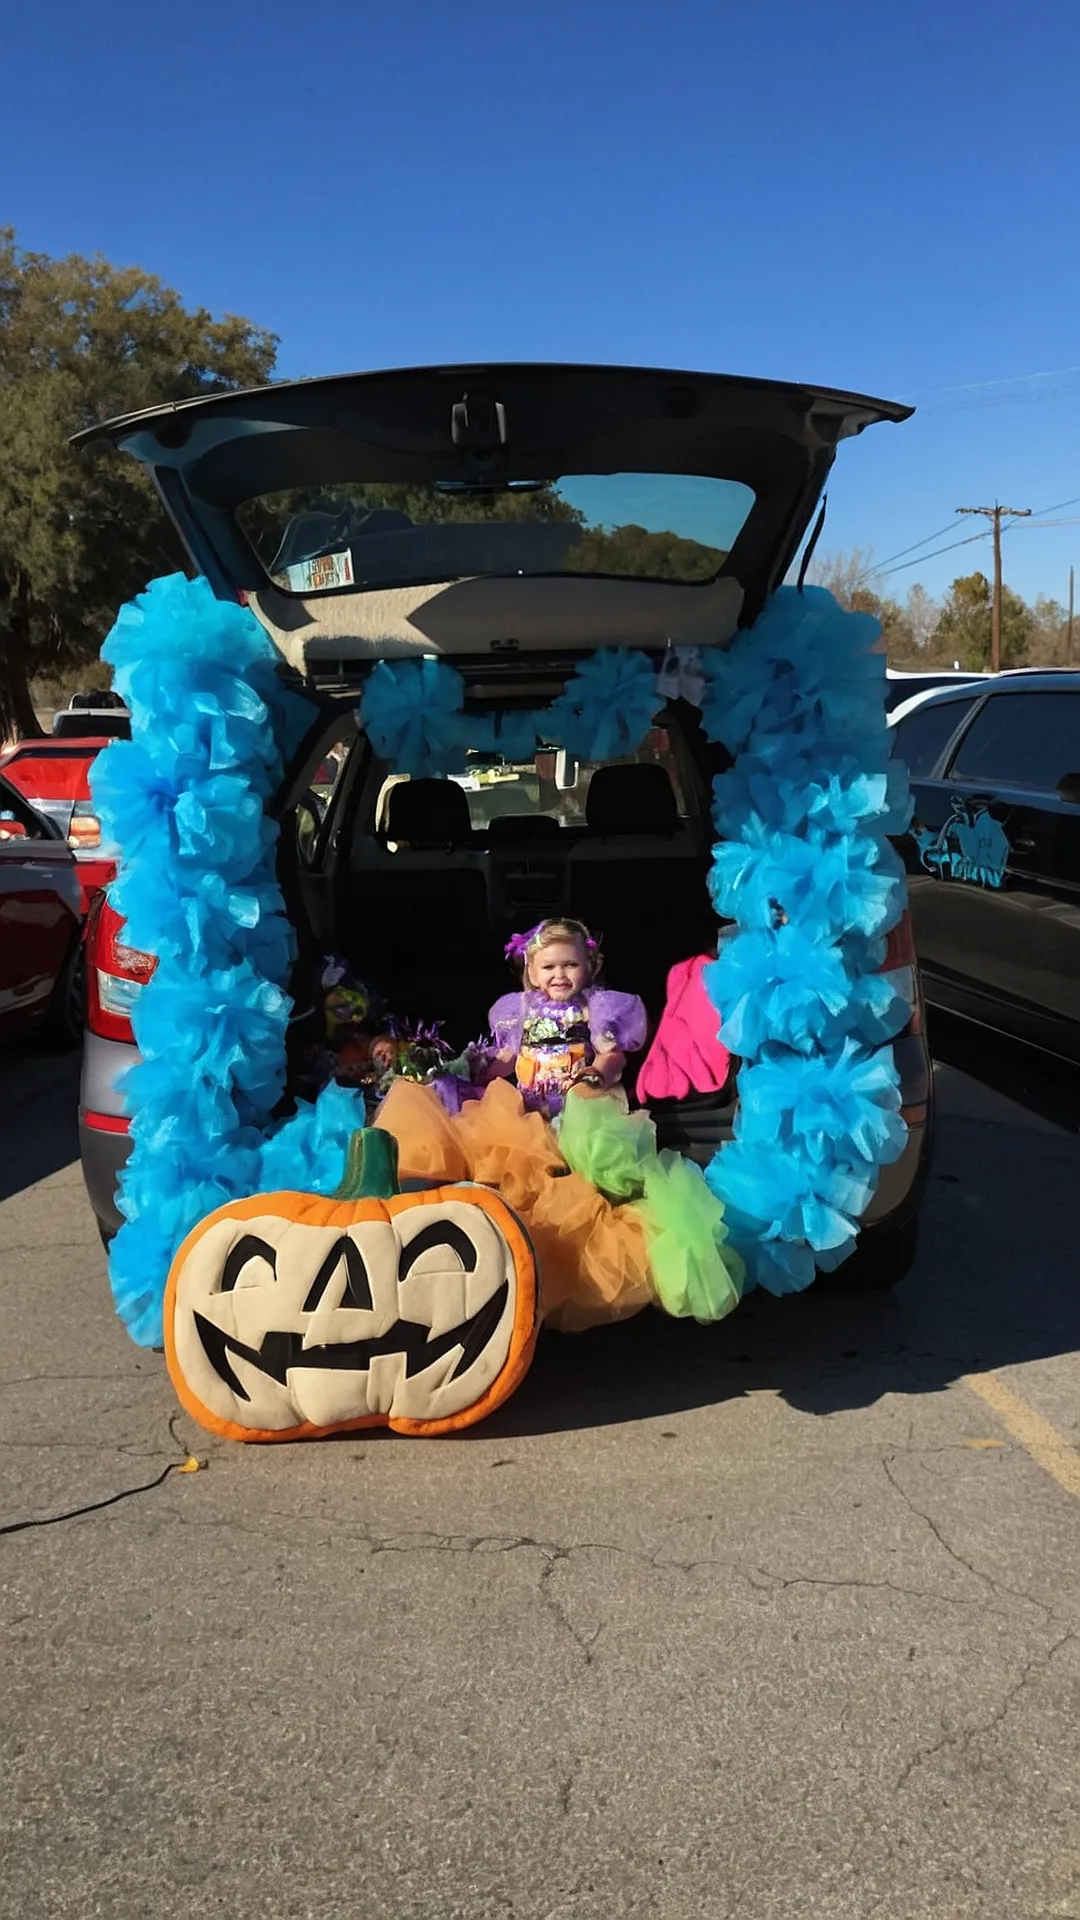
x: 970, y: 845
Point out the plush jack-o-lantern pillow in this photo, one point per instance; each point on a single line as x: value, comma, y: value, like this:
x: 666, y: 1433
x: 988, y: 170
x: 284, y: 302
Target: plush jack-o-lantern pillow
x: 289, y: 1316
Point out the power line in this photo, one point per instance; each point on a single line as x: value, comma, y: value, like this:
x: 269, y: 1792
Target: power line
x: 889, y: 558
x: 876, y: 572
x: 1072, y: 521
x: 886, y: 568
x: 978, y: 386
x: 953, y: 544
x: 1057, y: 506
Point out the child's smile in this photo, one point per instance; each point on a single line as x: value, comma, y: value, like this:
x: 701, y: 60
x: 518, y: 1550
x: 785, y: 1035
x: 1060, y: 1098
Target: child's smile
x: 559, y: 970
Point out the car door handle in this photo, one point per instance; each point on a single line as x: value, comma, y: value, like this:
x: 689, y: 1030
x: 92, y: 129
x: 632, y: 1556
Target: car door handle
x: 1023, y: 844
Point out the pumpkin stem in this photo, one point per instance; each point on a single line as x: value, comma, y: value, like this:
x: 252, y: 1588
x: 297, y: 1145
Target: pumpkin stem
x: 371, y: 1166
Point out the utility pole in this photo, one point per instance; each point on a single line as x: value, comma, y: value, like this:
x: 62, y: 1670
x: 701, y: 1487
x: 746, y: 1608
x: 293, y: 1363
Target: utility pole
x: 994, y: 513
x: 1068, y: 648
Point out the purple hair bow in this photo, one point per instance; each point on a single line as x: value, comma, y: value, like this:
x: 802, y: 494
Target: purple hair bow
x: 518, y: 944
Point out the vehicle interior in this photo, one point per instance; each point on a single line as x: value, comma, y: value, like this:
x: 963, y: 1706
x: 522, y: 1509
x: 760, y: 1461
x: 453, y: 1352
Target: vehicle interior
x: 419, y: 883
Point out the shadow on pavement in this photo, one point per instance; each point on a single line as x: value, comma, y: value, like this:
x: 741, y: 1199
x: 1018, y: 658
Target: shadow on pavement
x: 39, y: 1112
x: 995, y: 1282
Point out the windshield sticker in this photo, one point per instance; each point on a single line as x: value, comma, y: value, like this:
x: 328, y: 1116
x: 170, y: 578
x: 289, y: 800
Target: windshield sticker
x: 324, y: 571
x: 971, y: 845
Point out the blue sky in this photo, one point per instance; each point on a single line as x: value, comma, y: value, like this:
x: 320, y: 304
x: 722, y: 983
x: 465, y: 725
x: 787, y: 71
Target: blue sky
x: 882, y: 197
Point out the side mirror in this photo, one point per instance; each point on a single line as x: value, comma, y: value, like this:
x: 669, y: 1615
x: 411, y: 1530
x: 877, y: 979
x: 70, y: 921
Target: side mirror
x: 1069, y: 789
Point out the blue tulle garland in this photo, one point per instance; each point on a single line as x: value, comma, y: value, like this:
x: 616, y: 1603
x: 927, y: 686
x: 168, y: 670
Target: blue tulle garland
x: 804, y: 869
x: 185, y: 800
x: 413, y: 713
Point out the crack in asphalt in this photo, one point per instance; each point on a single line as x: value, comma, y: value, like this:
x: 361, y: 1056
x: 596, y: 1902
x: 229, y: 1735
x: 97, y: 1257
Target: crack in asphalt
x: 963, y: 1737
x: 558, y: 1613
x: 782, y: 1583
x: 986, y: 1579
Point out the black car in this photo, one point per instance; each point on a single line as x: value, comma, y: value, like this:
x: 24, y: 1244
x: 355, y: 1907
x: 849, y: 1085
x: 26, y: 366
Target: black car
x: 993, y: 856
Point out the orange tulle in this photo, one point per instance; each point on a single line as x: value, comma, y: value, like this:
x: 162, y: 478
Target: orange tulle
x: 593, y: 1256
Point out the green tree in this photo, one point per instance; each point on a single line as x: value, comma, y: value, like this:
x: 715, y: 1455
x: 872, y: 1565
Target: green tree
x: 964, y: 630
x: 633, y: 552
x: 266, y: 518
x: 1048, y: 645
x: 81, y: 340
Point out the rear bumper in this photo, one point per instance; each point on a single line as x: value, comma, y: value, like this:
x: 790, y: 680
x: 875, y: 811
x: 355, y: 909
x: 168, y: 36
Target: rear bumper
x: 103, y: 1153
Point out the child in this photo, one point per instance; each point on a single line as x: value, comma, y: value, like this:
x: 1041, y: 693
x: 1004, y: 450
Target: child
x: 561, y: 1030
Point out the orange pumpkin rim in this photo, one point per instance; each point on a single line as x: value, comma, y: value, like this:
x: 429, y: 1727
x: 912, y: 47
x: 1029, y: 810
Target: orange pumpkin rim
x: 523, y: 1333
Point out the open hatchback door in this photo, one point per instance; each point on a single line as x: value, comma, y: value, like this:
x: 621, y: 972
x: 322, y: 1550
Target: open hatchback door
x: 480, y: 510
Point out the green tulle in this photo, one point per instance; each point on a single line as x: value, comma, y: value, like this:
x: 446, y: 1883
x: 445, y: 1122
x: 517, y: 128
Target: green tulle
x: 608, y: 1146
x: 694, y: 1274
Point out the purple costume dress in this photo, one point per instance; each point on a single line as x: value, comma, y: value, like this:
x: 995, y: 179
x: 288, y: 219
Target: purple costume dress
x: 551, y: 1039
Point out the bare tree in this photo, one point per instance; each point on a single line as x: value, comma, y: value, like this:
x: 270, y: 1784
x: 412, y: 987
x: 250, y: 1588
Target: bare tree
x: 922, y: 614
x: 847, y: 575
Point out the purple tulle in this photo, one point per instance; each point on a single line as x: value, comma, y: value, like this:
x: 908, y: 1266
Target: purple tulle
x: 615, y: 1019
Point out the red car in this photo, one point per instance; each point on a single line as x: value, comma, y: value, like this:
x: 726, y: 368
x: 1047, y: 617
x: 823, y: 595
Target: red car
x: 41, y: 925
x: 53, y: 774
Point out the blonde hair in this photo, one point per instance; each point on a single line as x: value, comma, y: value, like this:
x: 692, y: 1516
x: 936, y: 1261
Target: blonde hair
x: 547, y: 933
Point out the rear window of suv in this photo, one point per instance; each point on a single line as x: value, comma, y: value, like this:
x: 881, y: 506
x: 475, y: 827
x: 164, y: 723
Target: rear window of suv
x: 628, y: 526
x: 1026, y: 740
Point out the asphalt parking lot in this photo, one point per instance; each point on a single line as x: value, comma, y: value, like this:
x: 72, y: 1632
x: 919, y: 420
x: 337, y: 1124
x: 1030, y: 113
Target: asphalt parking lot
x: 776, y: 1618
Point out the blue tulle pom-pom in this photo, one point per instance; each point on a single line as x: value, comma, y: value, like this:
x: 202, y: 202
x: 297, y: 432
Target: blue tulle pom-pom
x: 777, y: 987
x: 411, y: 713
x: 607, y: 706
x: 827, y: 884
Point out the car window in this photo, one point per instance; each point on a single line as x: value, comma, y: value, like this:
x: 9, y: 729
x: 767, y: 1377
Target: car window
x: 18, y: 821
x: 313, y: 808
x: 555, y: 784
x: 552, y: 784
x: 921, y: 739
x: 1029, y: 740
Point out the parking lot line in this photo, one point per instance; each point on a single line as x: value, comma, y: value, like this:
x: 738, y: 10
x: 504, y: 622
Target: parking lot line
x: 1044, y: 1443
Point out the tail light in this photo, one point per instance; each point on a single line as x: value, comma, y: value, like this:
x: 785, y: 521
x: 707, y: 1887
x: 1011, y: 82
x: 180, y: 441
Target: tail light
x: 900, y: 946
x: 900, y: 957
x: 115, y: 975
x: 84, y: 832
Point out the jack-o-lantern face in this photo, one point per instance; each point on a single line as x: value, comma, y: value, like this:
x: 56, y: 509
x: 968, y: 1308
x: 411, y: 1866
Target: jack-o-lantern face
x: 288, y: 1315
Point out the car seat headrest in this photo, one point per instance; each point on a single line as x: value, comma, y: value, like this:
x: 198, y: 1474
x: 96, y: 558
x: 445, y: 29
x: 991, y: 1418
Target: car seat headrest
x: 631, y: 800
x: 510, y: 827
x: 427, y: 813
